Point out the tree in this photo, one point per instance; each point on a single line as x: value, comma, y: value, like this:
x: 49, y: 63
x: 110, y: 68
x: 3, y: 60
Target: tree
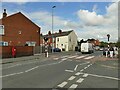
x: 118, y: 44
x: 103, y: 44
x: 49, y: 33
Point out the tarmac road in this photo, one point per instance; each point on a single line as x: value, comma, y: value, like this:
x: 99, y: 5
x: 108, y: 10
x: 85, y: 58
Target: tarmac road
x: 62, y: 70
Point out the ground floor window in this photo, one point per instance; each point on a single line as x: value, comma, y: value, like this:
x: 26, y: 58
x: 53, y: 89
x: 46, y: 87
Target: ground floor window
x: 2, y: 43
x: 29, y: 43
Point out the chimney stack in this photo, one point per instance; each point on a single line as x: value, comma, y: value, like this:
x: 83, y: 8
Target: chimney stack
x: 60, y: 31
x: 4, y: 13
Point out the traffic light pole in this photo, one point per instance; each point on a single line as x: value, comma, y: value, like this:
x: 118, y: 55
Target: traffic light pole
x: 46, y: 47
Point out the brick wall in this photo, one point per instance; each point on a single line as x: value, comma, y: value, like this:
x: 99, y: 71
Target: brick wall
x: 19, y: 29
x: 6, y: 51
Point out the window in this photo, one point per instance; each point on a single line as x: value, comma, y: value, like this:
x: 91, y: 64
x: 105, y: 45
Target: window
x: 2, y: 43
x: 30, y: 43
x: 20, y: 32
x: 58, y: 39
x: 70, y: 39
x: 1, y: 29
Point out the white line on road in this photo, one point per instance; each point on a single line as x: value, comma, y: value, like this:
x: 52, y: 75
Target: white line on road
x: 104, y: 76
x: 71, y: 78
x: 75, y: 68
x: 55, y: 58
x: 31, y: 69
x: 82, y: 70
x: 62, y: 84
x: 81, y: 57
x: 80, y: 80
x: 73, y: 86
x: 78, y: 73
x: 80, y: 64
x: 8, y: 75
x: 90, y: 57
x: 11, y: 74
x: 20, y: 73
x: 64, y: 59
x: 85, y: 75
x: 72, y: 56
x: 69, y: 71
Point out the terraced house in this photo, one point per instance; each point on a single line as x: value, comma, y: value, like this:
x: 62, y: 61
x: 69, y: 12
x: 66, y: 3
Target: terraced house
x: 65, y: 40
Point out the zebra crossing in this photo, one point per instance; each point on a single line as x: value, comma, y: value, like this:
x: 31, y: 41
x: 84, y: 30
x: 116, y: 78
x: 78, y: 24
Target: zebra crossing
x: 75, y: 57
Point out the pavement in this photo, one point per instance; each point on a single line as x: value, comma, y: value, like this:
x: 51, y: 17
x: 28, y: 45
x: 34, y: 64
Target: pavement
x: 24, y: 58
x: 61, y: 70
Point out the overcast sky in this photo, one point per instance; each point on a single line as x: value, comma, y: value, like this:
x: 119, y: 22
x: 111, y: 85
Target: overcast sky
x: 87, y: 19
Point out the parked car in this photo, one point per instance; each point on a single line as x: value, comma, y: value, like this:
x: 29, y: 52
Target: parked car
x: 57, y: 50
x: 101, y: 49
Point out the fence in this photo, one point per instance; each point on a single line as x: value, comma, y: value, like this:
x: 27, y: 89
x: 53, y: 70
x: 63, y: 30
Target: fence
x: 41, y: 49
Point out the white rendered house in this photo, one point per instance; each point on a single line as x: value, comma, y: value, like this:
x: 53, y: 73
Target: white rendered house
x: 66, y: 41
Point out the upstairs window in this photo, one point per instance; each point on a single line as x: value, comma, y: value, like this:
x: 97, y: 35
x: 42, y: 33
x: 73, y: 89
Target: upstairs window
x: 1, y: 29
x: 58, y: 39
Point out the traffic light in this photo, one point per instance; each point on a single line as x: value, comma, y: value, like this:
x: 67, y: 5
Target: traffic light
x: 46, y: 39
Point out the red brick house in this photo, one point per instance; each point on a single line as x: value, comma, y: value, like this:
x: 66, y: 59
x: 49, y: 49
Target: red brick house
x: 18, y: 30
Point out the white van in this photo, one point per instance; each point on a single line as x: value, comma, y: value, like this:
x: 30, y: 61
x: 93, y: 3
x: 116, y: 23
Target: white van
x: 87, y: 48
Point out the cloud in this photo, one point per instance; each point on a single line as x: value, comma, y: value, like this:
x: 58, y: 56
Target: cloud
x: 89, y: 24
x: 44, y: 18
x: 98, y: 26
x: 90, y: 18
x: 95, y: 8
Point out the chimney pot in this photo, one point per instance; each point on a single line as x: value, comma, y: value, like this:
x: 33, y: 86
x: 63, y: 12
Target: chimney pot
x: 4, y: 13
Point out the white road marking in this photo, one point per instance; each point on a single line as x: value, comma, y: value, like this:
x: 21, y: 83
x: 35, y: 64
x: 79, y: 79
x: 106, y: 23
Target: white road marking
x: 90, y: 57
x: 85, y: 75
x: 71, y: 78
x: 31, y: 69
x: 69, y: 71
x: 72, y: 56
x: 78, y: 73
x: 75, y: 68
x: 20, y: 73
x: 84, y: 63
x: 55, y: 58
x: 81, y: 57
x: 85, y: 68
x: 73, y: 86
x: 79, y: 80
x: 62, y: 84
x: 82, y: 70
x: 64, y: 59
x: 8, y: 75
x: 104, y: 76
x: 80, y: 64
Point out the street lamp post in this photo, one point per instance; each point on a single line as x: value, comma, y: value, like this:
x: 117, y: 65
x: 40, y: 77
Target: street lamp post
x: 52, y: 26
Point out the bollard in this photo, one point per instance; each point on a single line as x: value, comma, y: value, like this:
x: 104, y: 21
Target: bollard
x: 106, y: 52
x: 47, y: 54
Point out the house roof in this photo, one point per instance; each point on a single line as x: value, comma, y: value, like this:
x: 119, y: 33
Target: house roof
x: 65, y: 33
x: 19, y: 13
